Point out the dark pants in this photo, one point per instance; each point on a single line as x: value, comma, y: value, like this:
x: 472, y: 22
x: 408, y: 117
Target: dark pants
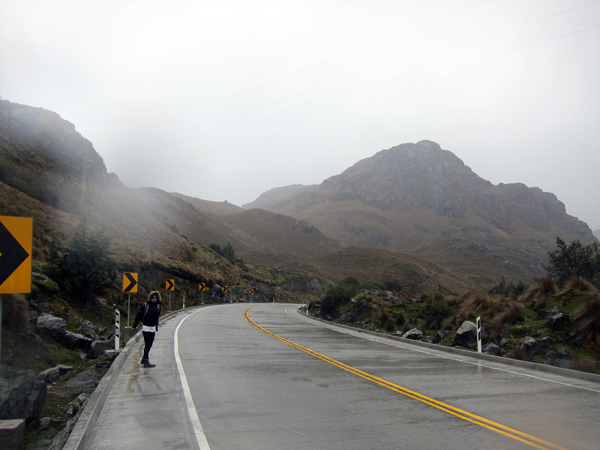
x: 148, y: 341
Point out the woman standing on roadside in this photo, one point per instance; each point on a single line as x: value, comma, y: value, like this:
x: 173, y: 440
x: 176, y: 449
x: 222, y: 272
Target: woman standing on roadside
x: 148, y: 315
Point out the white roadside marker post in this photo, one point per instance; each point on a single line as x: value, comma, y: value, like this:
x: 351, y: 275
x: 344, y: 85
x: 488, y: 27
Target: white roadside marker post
x: 117, y: 328
x: 479, y: 334
x: 183, y: 307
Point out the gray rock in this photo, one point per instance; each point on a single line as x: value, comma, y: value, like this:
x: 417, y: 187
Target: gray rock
x: 562, y: 352
x: 50, y: 375
x: 491, y: 349
x: 98, y: 348
x: 52, y: 326
x: 534, y: 348
x: 415, y: 334
x: 365, y: 322
x: 44, y: 423
x: 555, y: 310
x: 64, y: 369
x: 466, y: 336
x: 558, y: 322
x: 543, y: 314
x: 438, y: 336
x: 88, y: 329
x: 73, y: 340
x: 11, y: 434
x: 22, y: 394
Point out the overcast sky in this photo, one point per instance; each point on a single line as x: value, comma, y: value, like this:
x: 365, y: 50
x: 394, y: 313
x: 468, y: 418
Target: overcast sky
x: 223, y: 100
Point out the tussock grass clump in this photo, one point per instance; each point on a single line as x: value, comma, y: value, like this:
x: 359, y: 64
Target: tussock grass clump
x: 587, y: 319
x: 578, y: 283
x: 546, y: 287
x: 15, y: 313
x: 512, y: 314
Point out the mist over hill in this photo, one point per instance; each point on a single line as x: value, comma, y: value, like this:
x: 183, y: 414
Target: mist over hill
x: 48, y: 171
x: 414, y: 198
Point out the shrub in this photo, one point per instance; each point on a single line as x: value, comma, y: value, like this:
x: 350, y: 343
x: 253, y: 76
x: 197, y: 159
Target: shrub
x: 574, y: 259
x: 506, y: 289
x: 84, y: 269
x: 435, y: 311
x: 335, y: 296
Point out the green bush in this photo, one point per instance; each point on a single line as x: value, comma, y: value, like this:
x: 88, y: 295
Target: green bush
x: 574, y: 259
x: 504, y: 288
x: 337, y: 295
x: 83, y: 269
x: 435, y: 311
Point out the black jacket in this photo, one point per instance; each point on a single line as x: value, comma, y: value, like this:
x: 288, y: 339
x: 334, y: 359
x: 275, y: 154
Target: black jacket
x: 148, y: 314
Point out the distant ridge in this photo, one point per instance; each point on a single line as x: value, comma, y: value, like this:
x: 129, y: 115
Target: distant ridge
x: 422, y: 199
x: 219, y: 208
x: 276, y: 195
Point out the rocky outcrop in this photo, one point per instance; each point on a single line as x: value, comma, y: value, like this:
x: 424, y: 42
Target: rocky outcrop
x: 22, y: 394
x: 415, y: 334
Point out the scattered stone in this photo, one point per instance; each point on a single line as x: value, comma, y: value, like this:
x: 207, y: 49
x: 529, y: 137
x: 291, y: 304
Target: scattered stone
x: 22, y: 394
x: 50, y: 375
x: 64, y: 369
x: 87, y: 328
x: 558, y: 322
x: 73, y: 340
x: 11, y: 434
x: 562, y: 352
x: 106, y: 360
x: 98, y: 348
x: 491, y: 349
x: 53, y: 326
x: 438, y: 336
x: 365, y: 322
x: 415, y: 334
x: 543, y: 314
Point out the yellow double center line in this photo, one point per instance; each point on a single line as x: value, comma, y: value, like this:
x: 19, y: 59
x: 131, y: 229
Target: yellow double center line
x: 465, y: 415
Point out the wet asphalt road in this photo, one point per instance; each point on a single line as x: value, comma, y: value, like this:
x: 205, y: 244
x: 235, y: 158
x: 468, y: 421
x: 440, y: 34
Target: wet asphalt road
x: 252, y: 391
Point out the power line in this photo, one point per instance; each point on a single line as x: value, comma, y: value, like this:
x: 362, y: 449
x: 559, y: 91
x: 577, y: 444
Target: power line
x: 379, y: 85
x: 368, y: 73
x: 301, y: 71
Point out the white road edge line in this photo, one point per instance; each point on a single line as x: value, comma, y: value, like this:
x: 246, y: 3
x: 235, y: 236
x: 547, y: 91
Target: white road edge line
x: 383, y: 340
x: 198, y: 431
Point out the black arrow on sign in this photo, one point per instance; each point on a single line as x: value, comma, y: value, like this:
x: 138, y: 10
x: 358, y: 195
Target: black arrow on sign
x: 132, y: 282
x: 12, y: 254
x: 170, y: 285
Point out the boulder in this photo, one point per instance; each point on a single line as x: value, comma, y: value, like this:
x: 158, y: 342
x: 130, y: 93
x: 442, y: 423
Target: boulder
x: 491, y: 349
x: 50, y: 375
x: 11, y: 434
x: 466, y: 336
x: 558, y: 322
x: 534, y: 348
x: 88, y: 329
x: 98, y: 348
x: 52, y: 326
x: 22, y: 394
x: 438, y: 336
x: 415, y: 334
x: 73, y: 340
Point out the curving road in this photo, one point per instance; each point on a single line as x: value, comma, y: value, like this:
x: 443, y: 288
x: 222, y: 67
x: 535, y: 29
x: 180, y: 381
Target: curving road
x: 270, y: 378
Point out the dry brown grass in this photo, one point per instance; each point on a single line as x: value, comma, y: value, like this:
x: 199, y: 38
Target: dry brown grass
x: 511, y: 315
x: 15, y: 312
x: 587, y: 319
x: 578, y: 283
x: 545, y: 287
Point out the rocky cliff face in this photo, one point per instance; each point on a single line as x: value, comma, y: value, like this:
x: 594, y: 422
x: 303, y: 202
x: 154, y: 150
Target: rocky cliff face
x: 43, y: 156
x: 420, y: 198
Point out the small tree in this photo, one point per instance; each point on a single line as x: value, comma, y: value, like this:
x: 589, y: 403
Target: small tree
x: 229, y: 252
x: 83, y: 269
x: 574, y: 259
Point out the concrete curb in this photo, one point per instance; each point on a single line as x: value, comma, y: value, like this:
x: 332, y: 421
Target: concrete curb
x: 83, y: 429
x: 457, y: 351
